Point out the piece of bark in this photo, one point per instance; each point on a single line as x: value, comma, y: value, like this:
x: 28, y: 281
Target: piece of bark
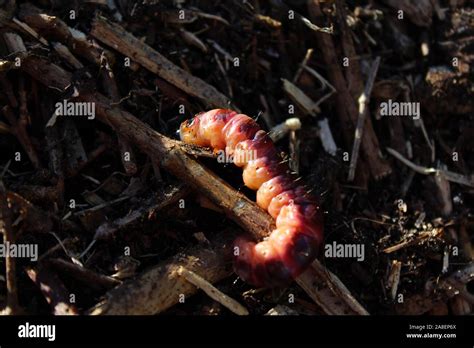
x: 173, y: 93
x: 460, y: 306
x: 40, y: 194
x: 54, y: 28
x: 50, y: 75
x: 161, y: 287
x: 115, y: 36
x: 127, y: 155
x: 32, y: 218
x: 345, y: 103
x: 19, y: 130
x: 90, y: 278
x: 26, y: 28
x: 53, y: 290
x: 420, y: 12
x: 15, y: 45
x: 75, y: 153
x: 66, y: 54
x: 147, y: 208
x: 8, y: 90
x: 300, y: 98
x: 55, y: 154
x: 352, y: 72
x: 394, y: 278
x: 327, y: 290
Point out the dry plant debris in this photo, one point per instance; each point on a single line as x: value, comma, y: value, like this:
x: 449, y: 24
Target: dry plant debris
x: 103, y: 211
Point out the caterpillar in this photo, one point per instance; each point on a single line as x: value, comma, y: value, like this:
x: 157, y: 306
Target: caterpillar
x: 293, y: 245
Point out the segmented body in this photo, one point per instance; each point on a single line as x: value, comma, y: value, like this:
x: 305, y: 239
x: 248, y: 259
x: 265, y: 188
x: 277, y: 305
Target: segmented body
x: 293, y: 245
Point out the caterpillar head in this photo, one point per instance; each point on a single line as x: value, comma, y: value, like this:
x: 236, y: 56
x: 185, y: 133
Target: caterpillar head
x: 189, y: 132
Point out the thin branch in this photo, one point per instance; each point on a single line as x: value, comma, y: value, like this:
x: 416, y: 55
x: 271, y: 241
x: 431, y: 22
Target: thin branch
x: 212, y: 291
x: 448, y: 175
x: 364, y: 100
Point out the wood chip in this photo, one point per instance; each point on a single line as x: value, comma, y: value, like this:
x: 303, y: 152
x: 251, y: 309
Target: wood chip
x: 300, y: 98
x: 212, y: 291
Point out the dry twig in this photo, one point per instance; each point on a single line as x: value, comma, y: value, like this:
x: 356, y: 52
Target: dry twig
x: 212, y: 291
x: 448, y: 175
x: 115, y: 36
x: 364, y: 100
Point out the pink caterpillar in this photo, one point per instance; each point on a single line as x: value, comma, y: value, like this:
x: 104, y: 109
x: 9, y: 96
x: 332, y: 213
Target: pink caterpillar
x: 293, y: 245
